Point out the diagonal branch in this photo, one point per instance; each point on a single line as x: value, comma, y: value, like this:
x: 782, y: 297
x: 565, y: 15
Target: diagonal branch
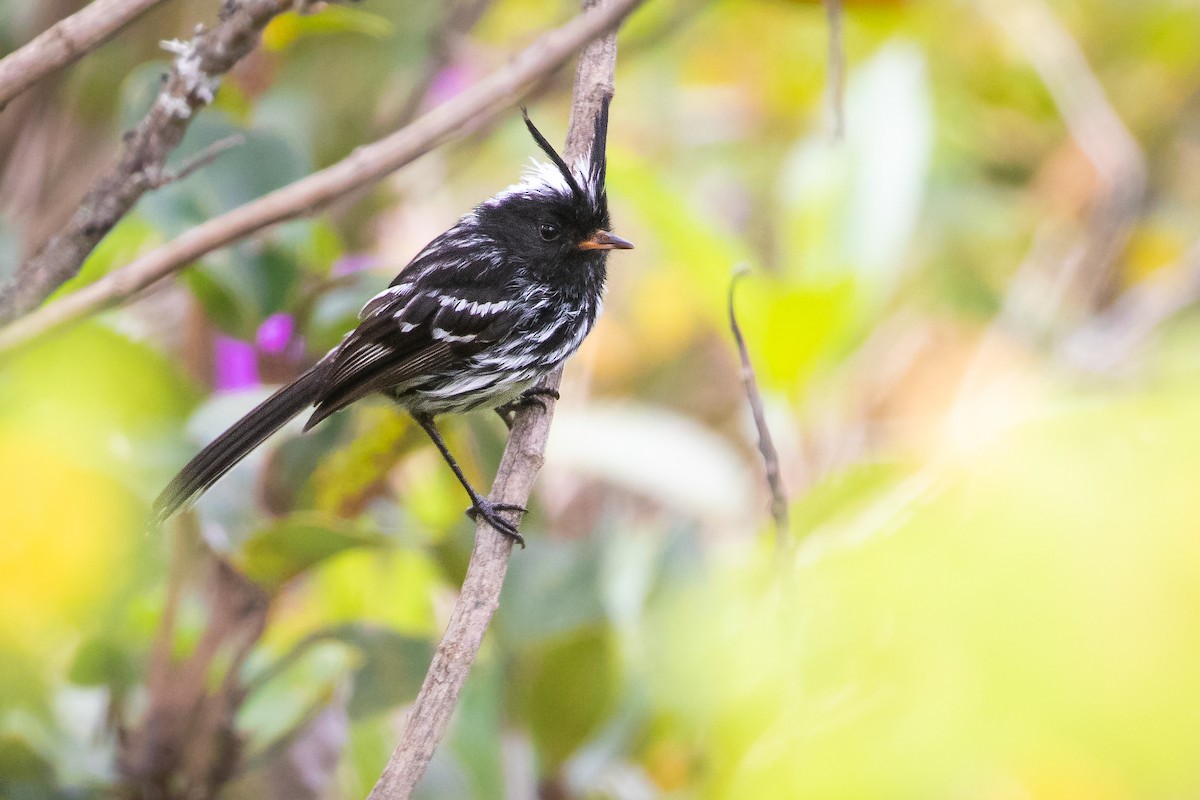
x: 480, y: 596
x: 193, y: 79
x: 766, y: 445
x: 367, y: 164
x: 67, y: 40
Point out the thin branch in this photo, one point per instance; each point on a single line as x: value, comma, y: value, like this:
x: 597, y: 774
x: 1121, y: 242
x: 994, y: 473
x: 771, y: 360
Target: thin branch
x: 523, y: 456
x: 779, y: 506
x: 66, y: 41
x: 835, y: 76
x: 199, y: 64
x: 367, y: 164
x: 199, y: 161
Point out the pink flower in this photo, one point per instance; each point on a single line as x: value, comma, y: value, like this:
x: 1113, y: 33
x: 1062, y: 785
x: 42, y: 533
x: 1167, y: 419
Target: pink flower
x: 236, y: 364
x: 275, y: 333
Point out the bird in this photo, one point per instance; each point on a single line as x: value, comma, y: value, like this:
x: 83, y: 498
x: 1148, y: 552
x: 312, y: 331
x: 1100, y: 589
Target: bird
x: 474, y: 321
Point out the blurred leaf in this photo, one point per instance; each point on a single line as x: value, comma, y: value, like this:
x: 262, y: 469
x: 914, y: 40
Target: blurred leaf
x: 987, y: 617
x: 391, y: 670
x: 23, y: 772
x: 292, y: 546
x: 476, y: 736
x: 789, y: 328
x: 290, y: 690
x: 103, y: 662
x: 336, y: 310
x: 301, y: 766
x: 551, y: 594
x: 392, y: 587
x: 696, y: 252
x: 653, y: 453
x: 378, y: 438
x: 841, y: 495
x: 286, y: 28
x: 850, y: 210
x: 565, y: 690
x: 241, y: 287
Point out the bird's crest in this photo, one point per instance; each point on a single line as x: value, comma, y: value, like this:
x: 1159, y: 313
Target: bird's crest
x: 586, y: 182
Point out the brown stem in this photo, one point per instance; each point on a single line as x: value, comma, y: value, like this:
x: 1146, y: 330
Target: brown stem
x: 523, y: 456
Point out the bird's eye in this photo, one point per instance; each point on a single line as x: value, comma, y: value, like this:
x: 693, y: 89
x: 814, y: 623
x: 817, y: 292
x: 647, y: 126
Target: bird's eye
x: 548, y: 232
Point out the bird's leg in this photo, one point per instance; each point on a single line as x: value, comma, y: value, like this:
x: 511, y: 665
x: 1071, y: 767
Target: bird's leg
x: 530, y: 397
x: 480, y: 505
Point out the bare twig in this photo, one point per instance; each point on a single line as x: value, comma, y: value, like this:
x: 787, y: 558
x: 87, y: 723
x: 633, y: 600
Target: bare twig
x: 198, y: 161
x: 193, y: 79
x: 835, y: 78
x: 66, y: 41
x: 779, y: 507
x: 306, y: 196
x: 523, y: 456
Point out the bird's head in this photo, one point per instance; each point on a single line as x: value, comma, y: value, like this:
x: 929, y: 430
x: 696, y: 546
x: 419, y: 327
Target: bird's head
x: 556, y: 218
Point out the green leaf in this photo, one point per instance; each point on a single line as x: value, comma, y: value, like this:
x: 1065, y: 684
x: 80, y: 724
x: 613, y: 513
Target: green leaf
x: 551, y: 593
x: 393, y: 666
x: 23, y: 772
x: 565, y: 691
x: 103, y: 662
x: 850, y: 210
x: 291, y: 26
x: 280, y: 552
x: 656, y: 453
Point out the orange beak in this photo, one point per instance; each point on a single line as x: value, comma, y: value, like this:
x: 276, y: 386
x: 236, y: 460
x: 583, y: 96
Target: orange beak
x: 603, y: 240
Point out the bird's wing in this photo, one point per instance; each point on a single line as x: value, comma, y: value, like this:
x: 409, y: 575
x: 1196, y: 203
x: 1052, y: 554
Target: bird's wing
x: 409, y: 331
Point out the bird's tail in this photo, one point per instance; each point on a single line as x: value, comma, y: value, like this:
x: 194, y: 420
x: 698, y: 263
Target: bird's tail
x: 224, y: 452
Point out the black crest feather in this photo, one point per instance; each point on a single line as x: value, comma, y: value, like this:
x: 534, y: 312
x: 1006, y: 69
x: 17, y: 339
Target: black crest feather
x: 597, y: 163
x: 554, y: 156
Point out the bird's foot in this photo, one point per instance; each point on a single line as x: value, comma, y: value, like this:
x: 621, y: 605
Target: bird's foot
x: 528, y: 399
x: 491, y: 512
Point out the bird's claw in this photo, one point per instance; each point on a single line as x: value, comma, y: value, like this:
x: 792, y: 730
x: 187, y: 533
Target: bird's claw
x: 533, y: 397
x: 491, y: 512
x: 529, y: 398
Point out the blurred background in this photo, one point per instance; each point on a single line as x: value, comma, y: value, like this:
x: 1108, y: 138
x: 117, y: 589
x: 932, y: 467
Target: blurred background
x: 971, y: 309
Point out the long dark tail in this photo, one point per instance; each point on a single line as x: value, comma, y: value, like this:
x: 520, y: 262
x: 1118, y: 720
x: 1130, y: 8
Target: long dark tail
x: 236, y: 443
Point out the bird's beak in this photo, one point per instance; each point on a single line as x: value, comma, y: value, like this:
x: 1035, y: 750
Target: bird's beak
x: 603, y: 240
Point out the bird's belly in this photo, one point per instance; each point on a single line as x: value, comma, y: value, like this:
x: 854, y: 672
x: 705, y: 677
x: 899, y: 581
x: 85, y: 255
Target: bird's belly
x: 461, y: 393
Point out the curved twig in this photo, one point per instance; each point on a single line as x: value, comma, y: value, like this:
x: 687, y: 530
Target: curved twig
x: 307, y: 195
x: 523, y: 456
x: 766, y: 446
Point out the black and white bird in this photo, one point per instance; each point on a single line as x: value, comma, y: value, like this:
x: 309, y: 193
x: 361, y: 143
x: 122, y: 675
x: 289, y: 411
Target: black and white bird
x: 474, y: 321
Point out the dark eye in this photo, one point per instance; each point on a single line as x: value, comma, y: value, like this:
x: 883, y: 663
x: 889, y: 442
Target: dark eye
x: 549, y: 232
